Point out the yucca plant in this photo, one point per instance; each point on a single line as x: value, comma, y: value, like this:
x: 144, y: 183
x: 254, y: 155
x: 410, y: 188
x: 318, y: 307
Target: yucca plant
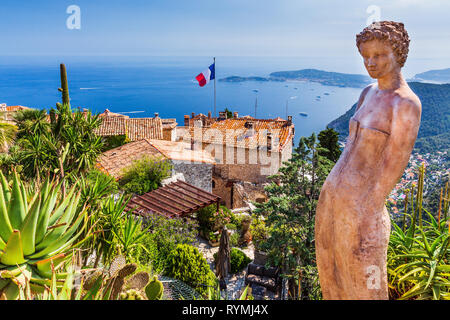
x: 214, y: 294
x: 129, y: 234
x: 418, y: 255
x: 36, y: 232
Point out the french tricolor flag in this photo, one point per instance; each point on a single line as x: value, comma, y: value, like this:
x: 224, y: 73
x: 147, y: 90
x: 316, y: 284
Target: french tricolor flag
x: 207, y: 75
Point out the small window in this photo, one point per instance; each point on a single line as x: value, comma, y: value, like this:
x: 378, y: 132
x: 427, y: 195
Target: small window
x: 213, y: 184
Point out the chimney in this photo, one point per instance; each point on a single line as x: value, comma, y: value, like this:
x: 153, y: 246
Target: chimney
x: 198, y: 123
x: 289, y: 120
x: 186, y: 120
x: 209, y: 115
x: 249, y: 125
x: 269, y: 141
x: 222, y: 115
x: 156, y: 114
x: 192, y: 115
x: 235, y: 115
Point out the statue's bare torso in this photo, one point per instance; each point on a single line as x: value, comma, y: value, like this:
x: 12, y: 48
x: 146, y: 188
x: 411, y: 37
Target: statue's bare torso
x: 352, y: 223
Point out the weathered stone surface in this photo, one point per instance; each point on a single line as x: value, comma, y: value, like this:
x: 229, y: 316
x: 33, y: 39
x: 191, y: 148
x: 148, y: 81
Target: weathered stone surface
x: 352, y: 223
x: 196, y: 174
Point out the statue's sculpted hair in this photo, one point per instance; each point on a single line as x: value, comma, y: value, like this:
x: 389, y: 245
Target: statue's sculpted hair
x: 392, y: 32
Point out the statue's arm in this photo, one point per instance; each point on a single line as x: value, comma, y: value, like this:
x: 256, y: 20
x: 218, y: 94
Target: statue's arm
x: 404, y: 129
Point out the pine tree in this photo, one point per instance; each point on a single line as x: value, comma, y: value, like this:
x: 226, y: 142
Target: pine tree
x: 290, y: 213
x: 328, y: 139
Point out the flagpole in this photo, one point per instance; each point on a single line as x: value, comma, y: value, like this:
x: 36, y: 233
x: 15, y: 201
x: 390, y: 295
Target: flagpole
x: 214, y: 86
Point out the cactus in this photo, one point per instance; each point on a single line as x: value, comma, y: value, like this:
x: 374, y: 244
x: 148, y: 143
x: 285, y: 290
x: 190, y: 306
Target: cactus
x: 131, y: 295
x: 91, y: 279
x: 64, y: 86
x: 138, y: 281
x: 154, y: 290
x: 118, y: 281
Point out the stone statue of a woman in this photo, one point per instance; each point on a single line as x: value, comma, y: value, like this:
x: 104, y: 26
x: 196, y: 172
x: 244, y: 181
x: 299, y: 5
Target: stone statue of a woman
x: 352, y: 223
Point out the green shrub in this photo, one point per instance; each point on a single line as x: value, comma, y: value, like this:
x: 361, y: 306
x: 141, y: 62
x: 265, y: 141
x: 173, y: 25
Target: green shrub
x: 210, y: 220
x: 231, y: 226
x: 187, y: 264
x: 213, y: 237
x: 145, y: 175
x: 239, y: 260
x: 163, y: 236
x: 259, y: 231
x: 112, y: 142
x: 234, y: 239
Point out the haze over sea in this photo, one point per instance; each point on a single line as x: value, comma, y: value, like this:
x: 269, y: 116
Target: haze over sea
x: 167, y: 85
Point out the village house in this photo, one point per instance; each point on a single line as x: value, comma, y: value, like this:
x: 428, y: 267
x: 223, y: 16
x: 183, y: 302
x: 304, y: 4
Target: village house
x: 246, y: 151
x: 7, y: 112
x: 192, y: 166
x: 134, y: 129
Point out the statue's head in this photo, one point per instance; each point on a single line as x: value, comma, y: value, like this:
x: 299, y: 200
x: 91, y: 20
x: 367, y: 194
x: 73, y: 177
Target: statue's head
x: 384, y: 47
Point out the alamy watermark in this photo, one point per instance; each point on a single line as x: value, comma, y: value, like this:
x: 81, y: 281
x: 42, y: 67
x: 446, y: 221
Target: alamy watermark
x: 375, y: 14
x: 374, y: 277
x: 73, y: 22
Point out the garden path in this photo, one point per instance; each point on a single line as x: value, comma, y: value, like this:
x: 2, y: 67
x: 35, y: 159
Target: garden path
x: 235, y: 282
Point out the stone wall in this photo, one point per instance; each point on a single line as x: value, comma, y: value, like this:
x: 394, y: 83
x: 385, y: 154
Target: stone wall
x: 222, y: 188
x: 170, y: 134
x: 247, y: 192
x: 196, y: 173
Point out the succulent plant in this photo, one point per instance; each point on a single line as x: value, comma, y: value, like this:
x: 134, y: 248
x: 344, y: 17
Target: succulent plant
x: 137, y: 281
x: 131, y: 295
x: 36, y: 231
x: 154, y: 290
x: 64, y: 85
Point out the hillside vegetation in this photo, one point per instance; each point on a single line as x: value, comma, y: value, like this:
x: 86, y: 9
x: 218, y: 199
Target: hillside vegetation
x: 442, y: 75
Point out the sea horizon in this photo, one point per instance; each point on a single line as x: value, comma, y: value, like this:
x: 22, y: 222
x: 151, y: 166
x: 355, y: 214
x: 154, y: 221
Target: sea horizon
x: 143, y: 85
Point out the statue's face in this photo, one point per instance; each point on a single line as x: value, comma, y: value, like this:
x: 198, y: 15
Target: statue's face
x: 379, y: 58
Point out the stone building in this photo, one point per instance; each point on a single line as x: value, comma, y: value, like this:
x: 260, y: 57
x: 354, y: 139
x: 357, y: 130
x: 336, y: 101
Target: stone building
x: 116, y: 124
x: 7, y: 112
x: 246, y: 151
x: 192, y: 166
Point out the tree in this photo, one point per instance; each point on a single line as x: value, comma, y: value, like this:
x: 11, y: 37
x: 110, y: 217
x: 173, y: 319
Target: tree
x: 290, y: 214
x: 328, y: 139
x: 31, y: 122
x: 229, y: 113
x: 7, y: 135
x: 65, y: 145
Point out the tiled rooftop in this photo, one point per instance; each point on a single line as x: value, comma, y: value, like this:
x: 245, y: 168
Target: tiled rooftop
x: 114, y: 160
x: 15, y: 108
x: 238, y: 132
x: 134, y: 128
x: 181, y: 151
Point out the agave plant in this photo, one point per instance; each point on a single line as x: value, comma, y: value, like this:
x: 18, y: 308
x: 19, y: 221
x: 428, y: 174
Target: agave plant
x: 36, y: 231
x: 419, y: 254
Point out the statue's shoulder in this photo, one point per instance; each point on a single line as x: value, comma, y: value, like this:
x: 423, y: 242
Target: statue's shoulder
x: 406, y: 98
x: 407, y: 102
x: 364, y: 93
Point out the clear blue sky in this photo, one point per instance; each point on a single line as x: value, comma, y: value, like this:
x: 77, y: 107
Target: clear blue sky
x: 324, y: 28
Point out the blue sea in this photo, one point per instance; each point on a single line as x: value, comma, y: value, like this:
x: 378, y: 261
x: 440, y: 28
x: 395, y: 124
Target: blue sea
x: 141, y: 86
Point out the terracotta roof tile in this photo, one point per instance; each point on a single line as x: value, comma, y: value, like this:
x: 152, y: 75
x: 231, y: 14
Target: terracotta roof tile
x: 134, y: 128
x: 238, y: 132
x: 113, y: 161
x: 181, y: 151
